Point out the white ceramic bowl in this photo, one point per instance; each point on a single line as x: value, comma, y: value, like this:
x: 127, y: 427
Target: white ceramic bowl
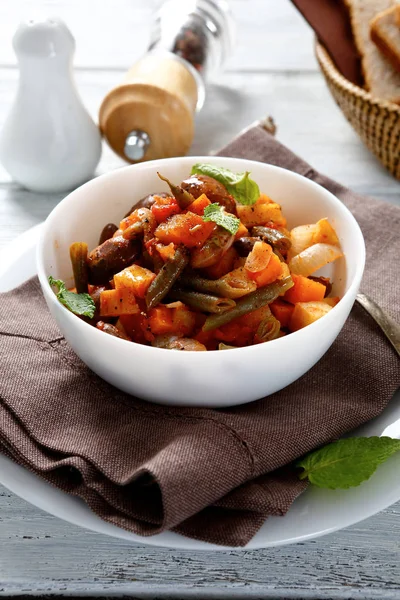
x: 208, y: 379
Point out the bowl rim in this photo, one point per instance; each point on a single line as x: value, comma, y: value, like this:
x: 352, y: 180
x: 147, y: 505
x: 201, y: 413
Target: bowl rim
x: 93, y: 183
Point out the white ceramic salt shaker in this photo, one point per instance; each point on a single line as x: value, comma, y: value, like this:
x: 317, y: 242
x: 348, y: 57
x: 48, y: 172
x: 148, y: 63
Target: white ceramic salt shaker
x: 49, y: 142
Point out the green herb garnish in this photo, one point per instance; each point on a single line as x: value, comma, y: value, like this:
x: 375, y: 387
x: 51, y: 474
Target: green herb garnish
x: 239, y: 185
x: 347, y: 463
x: 216, y: 212
x: 79, y: 304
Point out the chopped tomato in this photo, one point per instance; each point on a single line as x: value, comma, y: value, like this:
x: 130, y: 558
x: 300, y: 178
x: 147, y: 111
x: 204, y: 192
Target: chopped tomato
x: 163, y: 208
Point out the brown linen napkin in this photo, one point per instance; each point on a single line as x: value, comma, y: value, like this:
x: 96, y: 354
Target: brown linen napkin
x: 214, y: 475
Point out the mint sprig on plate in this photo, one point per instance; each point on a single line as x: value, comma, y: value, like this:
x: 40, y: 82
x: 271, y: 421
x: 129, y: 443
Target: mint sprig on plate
x: 216, y: 213
x: 346, y: 463
x: 239, y: 185
x: 79, y: 304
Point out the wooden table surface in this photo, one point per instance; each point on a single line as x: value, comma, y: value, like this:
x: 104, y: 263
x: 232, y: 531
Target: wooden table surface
x: 273, y: 71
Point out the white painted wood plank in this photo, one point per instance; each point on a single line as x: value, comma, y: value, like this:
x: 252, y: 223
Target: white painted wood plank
x: 114, y: 34
x: 41, y: 554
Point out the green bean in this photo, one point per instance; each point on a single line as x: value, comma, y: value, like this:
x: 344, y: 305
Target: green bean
x: 278, y: 240
x: 268, y: 329
x: 183, y: 197
x: 166, y: 277
x: 203, y: 302
x: 229, y: 286
x: 133, y: 231
x: 78, y: 252
x: 257, y: 299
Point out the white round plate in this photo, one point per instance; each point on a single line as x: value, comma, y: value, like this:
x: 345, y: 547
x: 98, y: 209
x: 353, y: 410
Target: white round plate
x: 315, y: 513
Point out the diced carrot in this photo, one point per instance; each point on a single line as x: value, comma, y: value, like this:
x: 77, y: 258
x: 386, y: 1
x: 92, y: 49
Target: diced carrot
x: 331, y: 301
x: 235, y: 333
x: 258, y: 258
x: 160, y: 320
x: 188, y: 229
x: 285, y: 271
x: 325, y: 234
x: 178, y: 321
x: 224, y: 266
x: 163, y: 208
x: 166, y: 252
x: 135, y: 278
x: 304, y: 290
x: 282, y: 311
x: 118, y: 302
x: 305, y: 313
x: 242, y: 231
x: 269, y: 274
x: 199, y: 205
x: 254, y: 318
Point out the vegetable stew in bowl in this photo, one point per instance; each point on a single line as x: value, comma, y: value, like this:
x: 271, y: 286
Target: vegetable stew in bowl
x: 209, y: 265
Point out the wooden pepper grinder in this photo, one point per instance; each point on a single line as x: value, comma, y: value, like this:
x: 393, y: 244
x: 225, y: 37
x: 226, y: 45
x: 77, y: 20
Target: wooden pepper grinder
x: 150, y: 114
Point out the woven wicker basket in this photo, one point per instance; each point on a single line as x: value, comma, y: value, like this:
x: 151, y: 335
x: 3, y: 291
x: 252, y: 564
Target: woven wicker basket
x: 377, y: 122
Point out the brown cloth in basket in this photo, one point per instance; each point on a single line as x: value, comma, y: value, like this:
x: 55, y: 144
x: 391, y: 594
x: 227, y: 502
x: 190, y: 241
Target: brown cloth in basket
x: 331, y: 22
x: 214, y: 475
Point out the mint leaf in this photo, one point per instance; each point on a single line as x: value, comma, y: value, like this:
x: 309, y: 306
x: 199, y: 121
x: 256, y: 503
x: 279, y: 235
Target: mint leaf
x: 239, y: 185
x: 347, y: 463
x: 79, y: 304
x: 216, y: 213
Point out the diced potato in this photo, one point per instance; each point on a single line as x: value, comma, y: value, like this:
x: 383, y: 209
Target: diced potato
x: 313, y: 258
x: 331, y: 301
x: 325, y: 234
x: 305, y: 313
x: 260, y: 213
x: 135, y: 278
x: 188, y: 229
x: 118, y: 302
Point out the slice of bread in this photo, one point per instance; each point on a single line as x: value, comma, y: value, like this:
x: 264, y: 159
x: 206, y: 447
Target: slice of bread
x: 385, y: 33
x: 382, y: 80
